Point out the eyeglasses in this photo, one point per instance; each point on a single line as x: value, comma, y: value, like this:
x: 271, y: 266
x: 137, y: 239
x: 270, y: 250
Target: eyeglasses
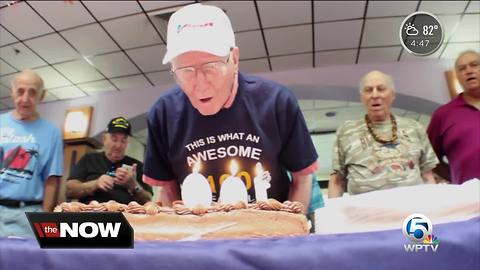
x: 209, y: 70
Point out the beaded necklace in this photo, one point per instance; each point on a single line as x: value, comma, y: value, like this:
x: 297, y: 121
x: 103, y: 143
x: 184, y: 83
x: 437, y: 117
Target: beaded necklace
x: 376, y: 137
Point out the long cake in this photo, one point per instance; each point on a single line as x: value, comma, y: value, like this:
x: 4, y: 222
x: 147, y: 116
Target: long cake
x: 153, y: 222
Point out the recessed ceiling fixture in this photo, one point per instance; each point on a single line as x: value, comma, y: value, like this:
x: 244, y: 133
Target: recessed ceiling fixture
x: 330, y: 114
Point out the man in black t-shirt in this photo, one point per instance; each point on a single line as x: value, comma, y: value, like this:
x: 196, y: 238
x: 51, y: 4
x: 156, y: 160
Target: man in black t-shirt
x: 110, y: 175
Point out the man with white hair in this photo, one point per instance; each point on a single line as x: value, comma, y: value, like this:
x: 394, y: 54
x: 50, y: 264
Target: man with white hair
x: 32, y: 161
x: 379, y: 151
x: 454, y: 130
x: 217, y: 115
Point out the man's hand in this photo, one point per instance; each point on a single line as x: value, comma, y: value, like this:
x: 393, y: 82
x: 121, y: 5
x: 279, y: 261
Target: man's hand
x: 336, y: 185
x: 301, y: 190
x: 126, y: 176
x: 105, y: 182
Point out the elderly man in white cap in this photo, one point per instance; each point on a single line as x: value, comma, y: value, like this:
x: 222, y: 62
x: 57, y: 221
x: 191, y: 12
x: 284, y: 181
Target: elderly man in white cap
x: 216, y: 114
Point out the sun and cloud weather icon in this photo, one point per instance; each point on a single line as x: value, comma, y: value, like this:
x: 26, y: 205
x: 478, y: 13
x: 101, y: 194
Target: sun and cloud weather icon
x: 410, y: 29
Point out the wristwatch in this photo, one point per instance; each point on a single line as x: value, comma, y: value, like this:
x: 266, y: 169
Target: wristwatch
x: 137, y: 189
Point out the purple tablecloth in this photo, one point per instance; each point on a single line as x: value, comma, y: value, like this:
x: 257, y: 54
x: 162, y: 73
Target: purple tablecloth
x: 459, y: 248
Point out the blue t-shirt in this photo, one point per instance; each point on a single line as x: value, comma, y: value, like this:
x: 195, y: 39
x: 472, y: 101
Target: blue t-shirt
x: 30, y: 152
x: 264, y: 124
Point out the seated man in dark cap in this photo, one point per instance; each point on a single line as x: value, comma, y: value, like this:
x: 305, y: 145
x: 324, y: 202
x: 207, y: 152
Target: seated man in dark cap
x: 110, y: 175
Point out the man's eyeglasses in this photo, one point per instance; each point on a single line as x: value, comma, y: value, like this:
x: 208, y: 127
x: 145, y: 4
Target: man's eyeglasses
x: 210, y: 70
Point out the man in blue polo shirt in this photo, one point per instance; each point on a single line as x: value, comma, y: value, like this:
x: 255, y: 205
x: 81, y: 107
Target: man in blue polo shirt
x: 217, y: 115
x: 31, y: 158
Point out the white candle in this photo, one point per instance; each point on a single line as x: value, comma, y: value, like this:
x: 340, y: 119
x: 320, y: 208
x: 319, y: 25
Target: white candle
x: 261, y: 184
x: 233, y: 189
x: 196, y: 191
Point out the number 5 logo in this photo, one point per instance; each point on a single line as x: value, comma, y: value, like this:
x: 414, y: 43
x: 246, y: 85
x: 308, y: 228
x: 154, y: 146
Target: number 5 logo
x: 416, y: 227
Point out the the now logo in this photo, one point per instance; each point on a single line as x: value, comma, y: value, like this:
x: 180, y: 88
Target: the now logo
x: 86, y: 229
x: 81, y: 230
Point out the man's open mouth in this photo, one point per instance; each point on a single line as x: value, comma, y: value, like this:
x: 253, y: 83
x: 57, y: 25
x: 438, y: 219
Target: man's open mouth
x: 205, y: 100
x: 471, y: 79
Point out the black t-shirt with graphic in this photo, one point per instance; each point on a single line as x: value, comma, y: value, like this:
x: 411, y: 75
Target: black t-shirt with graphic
x: 92, y: 165
x: 264, y: 124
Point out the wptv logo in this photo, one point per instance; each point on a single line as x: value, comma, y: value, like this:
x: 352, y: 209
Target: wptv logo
x: 81, y: 230
x: 419, y: 230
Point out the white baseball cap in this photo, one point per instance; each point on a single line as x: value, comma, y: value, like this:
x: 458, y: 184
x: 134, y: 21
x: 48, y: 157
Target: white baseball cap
x: 199, y: 27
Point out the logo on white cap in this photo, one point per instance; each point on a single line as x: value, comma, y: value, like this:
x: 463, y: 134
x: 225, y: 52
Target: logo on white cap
x: 201, y: 28
x: 181, y: 27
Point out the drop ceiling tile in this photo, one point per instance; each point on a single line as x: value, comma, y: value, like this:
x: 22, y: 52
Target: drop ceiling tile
x: 2, y: 106
x: 142, y: 140
x: 103, y: 10
x: 52, y: 48
x: 49, y: 97
x: 412, y: 115
x: 161, y: 78
x: 136, y: 82
x: 424, y: 120
x: 443, y: 7
x: 468, y: 30
x: 299, y: 40
x: 473, y: 7
x: 51, y: 78
x: 114, y: 64
x: 242, y: 14
x: 449, y: 23
x: 331, y: 58
x: 6, y: 37
x: 23, y: 22
x: 377, y: 55
x: 6, y: 68
x: 141, y: 133
x: 7, y: 79
x: 381, y: 32
x: 306, y: 104
x: 149, y: 5
x: 7, y: 102
x: 454, y: 49
x: 68, y: 92
x: 149, y: 58
x: 254, y: 66
x: 310, y: 116
x: 282, y: 13
x: 4, y: 91
x: 22, y: 59
x: 338, y: 10
x: 391, y: 8
x: 326, y: 104
x: 103, y: 43
x: 132, y: 31
x: 399, y: 112
x: 79, y: 71
x: 354, y: 104
x: 5, y: 3
x: 251, y: 44
x: 94, y: 88
x: 406, y: 56
x: 331, y: 36
x: 62, y: 15
x: 289, y: 62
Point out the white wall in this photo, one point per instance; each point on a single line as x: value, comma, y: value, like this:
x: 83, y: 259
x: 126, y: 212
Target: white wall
x: 135, y: 149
